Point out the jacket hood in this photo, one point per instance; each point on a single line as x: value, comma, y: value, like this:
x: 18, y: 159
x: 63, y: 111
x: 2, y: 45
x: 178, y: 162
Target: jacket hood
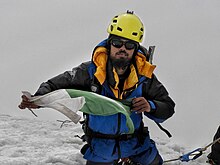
x: 142, y: 68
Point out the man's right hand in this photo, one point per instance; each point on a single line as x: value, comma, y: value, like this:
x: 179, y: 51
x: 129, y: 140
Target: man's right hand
x: 26, y: 103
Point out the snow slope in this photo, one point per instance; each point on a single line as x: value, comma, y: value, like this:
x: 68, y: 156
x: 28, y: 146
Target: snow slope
x: 32, y: 141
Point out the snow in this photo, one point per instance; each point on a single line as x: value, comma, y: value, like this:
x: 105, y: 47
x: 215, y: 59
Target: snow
x: 33, y: 141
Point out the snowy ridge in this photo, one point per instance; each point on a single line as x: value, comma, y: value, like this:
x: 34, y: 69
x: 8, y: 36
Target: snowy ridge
x: 31, y: 141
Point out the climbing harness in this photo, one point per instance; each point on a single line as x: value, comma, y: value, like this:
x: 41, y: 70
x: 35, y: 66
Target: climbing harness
x: 193, y: 154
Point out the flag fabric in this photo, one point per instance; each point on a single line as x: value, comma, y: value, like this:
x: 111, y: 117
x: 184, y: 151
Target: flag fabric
x: 70, y: 101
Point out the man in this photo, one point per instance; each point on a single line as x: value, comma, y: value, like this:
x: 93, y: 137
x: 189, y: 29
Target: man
x: 118, y: 70
x: 214, y: 156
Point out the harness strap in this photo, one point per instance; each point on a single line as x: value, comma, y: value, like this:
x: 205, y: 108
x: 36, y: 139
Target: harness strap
x: 140, y: 134
x: 164, y: 130
x: 89, y: 132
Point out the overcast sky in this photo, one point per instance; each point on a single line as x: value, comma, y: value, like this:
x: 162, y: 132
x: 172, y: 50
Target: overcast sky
x: 40, y: 39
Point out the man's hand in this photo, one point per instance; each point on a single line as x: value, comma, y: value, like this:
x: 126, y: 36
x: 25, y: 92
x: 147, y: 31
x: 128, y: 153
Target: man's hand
x: 25, y: 103
x: 140, y: 105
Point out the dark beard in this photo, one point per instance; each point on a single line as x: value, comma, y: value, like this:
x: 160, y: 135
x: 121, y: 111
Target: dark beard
x: 122, y: 62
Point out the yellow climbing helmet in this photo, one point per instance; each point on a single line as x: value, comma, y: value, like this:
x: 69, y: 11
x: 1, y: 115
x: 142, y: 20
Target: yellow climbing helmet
x: 127, y: 25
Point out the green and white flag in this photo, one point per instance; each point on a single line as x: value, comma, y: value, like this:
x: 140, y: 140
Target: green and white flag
x: 70, y: 101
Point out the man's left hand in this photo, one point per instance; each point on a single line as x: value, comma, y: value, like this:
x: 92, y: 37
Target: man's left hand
x: 140, y: 105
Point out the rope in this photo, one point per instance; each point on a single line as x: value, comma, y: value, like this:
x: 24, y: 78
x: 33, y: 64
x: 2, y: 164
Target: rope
x: 195, y: 153
x: 215, y: 141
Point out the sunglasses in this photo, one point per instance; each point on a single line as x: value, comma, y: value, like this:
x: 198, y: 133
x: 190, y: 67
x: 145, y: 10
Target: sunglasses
x: 129, y: 45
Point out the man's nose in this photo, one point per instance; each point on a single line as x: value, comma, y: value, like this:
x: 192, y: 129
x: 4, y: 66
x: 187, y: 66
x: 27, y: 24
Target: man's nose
x: 123, y: 47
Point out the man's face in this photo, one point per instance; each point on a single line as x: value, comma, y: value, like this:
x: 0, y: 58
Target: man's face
x: 121, y: 51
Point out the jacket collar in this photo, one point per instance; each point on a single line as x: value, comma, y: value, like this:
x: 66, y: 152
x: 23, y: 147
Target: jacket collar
x: 100, y: 59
